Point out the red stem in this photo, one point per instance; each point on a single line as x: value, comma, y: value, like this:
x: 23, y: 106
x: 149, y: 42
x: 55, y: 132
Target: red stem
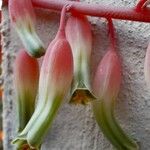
x: 111, y: 33
x: 61, y: 30
x: 140, y: 5
x: 97, y: 10
x: 62, y: 19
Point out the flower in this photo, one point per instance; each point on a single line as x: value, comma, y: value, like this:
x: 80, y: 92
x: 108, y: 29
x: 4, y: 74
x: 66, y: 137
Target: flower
x: 106, y: 85
x: 78, y: 33
x: 55, y: 80
x: 23, y: 19
x: 26, y: 77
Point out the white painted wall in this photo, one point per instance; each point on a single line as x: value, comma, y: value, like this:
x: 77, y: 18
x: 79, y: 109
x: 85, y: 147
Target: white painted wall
x: 75, y: 127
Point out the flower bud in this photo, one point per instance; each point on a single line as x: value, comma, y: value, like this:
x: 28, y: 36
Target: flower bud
x: 78, y: 33
x: 26, y: 76
x: 55, y: 80
x: 23, y: 18
x: 106, y: 86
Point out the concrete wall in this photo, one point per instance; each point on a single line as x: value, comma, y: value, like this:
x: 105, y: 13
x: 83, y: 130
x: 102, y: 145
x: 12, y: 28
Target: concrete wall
x: 75, y: 128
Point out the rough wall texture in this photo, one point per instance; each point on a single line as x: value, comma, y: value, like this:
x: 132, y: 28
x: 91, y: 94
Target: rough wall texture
x: 75, y: 128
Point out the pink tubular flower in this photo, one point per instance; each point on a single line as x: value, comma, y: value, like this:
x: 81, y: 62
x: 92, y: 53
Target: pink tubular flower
x: 78, y: 33
x: 23, y: 19
x: 55, y: 80
x: 26, y: 76
x: 106, y: 87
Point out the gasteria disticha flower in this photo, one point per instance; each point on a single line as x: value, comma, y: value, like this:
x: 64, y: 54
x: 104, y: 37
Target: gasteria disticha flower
x: 23, y: 19
x: 26, y: 77
x: 55, y: 80
x: 106, y: 86
x: 78, y: 33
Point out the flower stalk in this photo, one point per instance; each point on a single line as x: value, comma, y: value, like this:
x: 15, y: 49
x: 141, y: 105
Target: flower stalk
x: 79, y: 36
x: 106, y: 87
x: 23, y: 19
x: 55, y: 80
x: 26, y: 77
x: 97, y: 10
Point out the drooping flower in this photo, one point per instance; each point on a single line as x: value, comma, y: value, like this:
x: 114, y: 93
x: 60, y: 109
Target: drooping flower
x: 26, y: 77
x: 55, y: 80
x: 78, y: 33
x: 23, y: 19
x: 106, y: 87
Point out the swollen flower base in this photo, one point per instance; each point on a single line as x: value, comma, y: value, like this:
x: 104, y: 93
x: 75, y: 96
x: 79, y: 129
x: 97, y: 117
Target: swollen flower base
x: 55, y: 79
x: 78, y: 33
x: 22, y: 17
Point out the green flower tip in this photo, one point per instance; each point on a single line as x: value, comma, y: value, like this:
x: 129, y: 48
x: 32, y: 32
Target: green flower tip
x: 21, y: 144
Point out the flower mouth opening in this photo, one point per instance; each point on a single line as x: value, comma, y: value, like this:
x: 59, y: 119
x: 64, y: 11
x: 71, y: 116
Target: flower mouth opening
x: 82, y: 96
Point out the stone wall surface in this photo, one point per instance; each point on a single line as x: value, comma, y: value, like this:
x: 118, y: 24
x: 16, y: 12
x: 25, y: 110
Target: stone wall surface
x: 74, y: 127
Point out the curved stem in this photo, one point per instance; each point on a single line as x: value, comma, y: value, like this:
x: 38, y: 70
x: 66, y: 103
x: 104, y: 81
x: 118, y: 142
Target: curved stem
x: 62, y: 19
x: 61, y: 30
